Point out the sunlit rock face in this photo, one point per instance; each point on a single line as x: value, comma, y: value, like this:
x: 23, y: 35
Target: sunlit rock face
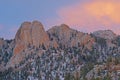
x: 39, y: 36
x: 65, y: 36
x: 33, y: 34
x: 30, y: 34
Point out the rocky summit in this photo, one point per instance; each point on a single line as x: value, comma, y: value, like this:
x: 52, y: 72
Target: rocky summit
x: 106, y: 34
x: 67, y: 37
x: 30, y: 34
x: 60, y: 53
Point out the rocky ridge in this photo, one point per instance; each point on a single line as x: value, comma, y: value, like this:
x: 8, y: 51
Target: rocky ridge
x: 32, y: 34
x: 37, y: 48
x: 106, y: 34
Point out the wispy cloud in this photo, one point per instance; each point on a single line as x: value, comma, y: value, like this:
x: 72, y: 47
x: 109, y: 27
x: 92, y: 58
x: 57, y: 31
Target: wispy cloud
x: 93, y: 15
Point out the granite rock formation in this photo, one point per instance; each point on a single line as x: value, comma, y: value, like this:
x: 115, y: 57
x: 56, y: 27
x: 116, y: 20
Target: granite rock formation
x: 30, y: 34
x: 60, y: 53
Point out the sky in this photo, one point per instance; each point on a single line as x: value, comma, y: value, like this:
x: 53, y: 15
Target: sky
x: 82, y: 15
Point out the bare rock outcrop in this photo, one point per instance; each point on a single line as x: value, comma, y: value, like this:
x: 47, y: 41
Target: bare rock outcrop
x: 30, y: 34
x: 33, y: 35
x: 65, y: 36
x: 106, y: 34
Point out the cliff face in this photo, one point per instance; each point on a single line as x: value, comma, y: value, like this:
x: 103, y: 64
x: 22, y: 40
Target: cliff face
x: 68, y: 37
x: 30, y: 34
x: 33, y: 34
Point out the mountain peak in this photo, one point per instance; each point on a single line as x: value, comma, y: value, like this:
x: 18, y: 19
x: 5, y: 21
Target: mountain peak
x: 106, y: 34
x: 30, y: 33
x: 37, y: 24
x: 68, y: 37
x: 64, y: 26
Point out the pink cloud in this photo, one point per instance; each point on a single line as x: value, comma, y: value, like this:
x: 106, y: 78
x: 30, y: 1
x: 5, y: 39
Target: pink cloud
x: 94, y: 15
